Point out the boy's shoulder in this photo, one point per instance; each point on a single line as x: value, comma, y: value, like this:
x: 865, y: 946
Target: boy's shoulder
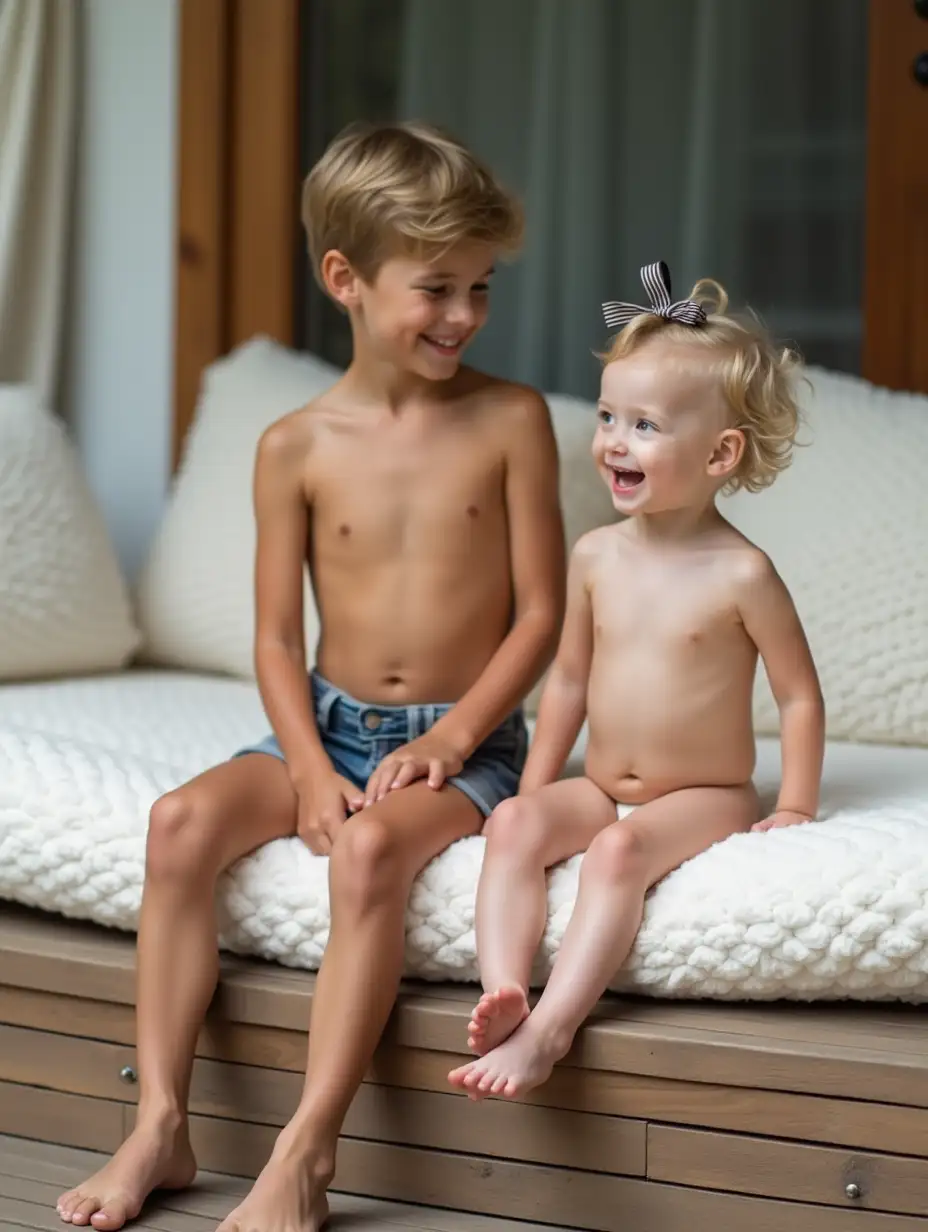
x: 507, y: 401
x: 594, y: 545
x: 293, y: 434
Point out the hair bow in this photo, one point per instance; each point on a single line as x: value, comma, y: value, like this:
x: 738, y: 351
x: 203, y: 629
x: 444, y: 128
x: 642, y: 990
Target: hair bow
x: 656, y: 279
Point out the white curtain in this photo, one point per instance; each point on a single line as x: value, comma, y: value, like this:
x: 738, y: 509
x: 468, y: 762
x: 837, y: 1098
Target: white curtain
x: 722, y: 136
x: 37, y: 115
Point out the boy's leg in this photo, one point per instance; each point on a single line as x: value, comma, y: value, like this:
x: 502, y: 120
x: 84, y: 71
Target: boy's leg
x: 194, y: 833
x: 525, y: 836
x: 376, y: 857
x: 622, y: 862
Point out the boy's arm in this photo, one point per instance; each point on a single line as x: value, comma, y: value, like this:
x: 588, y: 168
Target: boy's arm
x: 536, y: 548
x: 773, y: 624
x: 282, y: 516
x: 536, y: 545
x: 563, y: 702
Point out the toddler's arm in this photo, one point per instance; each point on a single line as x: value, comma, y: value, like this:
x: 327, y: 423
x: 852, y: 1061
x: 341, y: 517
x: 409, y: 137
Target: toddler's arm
x: 563, y: 702
x: 773, y: 624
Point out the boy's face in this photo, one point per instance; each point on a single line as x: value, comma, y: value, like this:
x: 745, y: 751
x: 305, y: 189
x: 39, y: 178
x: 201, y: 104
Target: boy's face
x: 663, y: 440
x: 421, y: 314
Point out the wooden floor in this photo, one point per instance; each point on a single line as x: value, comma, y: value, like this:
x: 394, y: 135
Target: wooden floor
x: 33, y: 1174
x: 665, y: 1117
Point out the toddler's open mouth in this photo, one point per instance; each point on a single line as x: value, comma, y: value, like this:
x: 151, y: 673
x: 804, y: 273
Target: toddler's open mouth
x: 624, y: 479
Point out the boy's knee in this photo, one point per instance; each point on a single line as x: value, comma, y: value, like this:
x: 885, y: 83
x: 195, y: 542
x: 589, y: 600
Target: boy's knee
x: 616, y: 854
x: 514, y: 828
x: 366, y: 860
x: 179, y: 836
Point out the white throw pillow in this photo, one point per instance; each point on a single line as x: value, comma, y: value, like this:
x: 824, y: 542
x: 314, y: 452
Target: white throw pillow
x: 196, y: 602
x: 847, y: 527
x: 196, y: 591
x: 64, y: 607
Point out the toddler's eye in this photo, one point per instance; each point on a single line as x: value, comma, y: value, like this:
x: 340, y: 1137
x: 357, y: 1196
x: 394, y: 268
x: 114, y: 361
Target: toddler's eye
x: 605, y: 417
x: 645, y: 425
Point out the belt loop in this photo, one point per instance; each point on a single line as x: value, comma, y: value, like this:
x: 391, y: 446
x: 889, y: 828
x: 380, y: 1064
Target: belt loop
x: 323, y: 704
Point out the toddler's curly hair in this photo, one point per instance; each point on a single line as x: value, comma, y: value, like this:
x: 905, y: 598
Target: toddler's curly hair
x: 758, y: 378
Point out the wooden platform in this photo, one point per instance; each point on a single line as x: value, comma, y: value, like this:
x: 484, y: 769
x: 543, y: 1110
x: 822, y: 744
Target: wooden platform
x: 33, y: 1174
x: 665, y: 1117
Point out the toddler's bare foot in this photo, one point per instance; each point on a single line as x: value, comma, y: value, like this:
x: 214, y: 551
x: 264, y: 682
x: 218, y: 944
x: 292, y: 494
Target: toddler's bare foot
x: 495, y: 1017
x: 157, y: 1155
x: 288, y: 1196
x: 522, y: 1062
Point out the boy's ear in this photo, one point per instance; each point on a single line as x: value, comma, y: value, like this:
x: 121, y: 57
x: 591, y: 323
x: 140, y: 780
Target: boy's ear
x: 339, y: 278
x: 727, y: 454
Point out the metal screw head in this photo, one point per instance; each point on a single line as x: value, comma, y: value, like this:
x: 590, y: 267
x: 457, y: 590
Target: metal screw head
x: 128, y: 1074
x: 852, y: 1191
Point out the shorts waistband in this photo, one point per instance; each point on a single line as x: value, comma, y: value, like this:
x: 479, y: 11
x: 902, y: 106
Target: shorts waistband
x: 338, y: 711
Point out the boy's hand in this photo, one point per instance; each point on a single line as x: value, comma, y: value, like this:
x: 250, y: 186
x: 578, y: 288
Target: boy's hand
x: 781, y: 818
x: 428, y: 757
x: 324, y: 803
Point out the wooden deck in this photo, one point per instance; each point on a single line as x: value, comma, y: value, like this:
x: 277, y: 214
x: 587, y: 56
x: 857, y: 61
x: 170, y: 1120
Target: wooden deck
x: 665, y: 1117
x: 33, y: 1174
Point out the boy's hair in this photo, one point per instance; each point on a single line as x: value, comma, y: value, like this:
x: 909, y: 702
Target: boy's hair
x: 383, y: 189
x: 758, y: 379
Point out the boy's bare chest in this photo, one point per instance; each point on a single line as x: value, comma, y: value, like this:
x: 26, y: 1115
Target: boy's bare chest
x: 388, y: 500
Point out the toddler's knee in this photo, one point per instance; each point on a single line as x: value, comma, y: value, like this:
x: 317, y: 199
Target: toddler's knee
x: 514, y: 829
x: 366, y: 864
x: 179, y: 836
x: 616, y: 854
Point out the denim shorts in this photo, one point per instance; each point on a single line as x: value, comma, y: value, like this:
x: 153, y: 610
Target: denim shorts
x: 357, y: 736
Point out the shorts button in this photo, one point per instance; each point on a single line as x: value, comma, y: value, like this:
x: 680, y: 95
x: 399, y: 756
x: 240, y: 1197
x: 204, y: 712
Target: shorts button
x: 372, y: 720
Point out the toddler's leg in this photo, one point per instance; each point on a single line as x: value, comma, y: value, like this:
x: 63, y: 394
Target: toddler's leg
x: 194, y: 833
x: 622, y: 862
x: 525, y: 836
x: 376, y: 857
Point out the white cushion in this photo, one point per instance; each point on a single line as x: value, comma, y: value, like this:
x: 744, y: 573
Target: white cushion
x: 196, y: 601
x: 64, y: 606
x: 847, y: 527
x: 834, y: 909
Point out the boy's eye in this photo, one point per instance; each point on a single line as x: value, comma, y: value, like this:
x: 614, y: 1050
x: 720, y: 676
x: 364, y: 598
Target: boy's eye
x: 481, y: 288
x: 434, y: 290
x: 645, y: 425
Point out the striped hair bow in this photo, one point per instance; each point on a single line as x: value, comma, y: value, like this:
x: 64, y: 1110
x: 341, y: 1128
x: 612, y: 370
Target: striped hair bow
x: 656, y: 279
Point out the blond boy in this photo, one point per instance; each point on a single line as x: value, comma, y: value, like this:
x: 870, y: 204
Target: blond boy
x: 667, y: 614
x: 423, y: 496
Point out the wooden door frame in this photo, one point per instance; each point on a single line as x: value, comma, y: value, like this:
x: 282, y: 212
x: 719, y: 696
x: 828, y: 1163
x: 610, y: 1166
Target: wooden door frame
x: 238, y: 171
x: 238, y: 185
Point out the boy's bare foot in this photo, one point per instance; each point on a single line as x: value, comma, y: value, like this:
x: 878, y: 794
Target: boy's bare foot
x: 495, y: 1017
x: 156, y: 1155
x: 288, y: 1196
x: 523, y: 1061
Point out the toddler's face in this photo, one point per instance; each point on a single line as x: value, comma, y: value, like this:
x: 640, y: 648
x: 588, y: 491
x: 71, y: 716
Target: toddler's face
x: 661, y: 416
x: 421, y: 315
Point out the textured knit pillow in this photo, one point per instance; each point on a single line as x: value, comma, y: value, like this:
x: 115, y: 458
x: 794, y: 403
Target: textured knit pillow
x: 847, y: 528
x: 64, y: 607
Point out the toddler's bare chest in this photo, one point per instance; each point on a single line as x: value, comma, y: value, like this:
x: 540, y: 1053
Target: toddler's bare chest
x: 688, y: 621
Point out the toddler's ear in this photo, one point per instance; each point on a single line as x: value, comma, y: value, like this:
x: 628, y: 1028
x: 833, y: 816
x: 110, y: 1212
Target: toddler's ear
x: 727, y: 454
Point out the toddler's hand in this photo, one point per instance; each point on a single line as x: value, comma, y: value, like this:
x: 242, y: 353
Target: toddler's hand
x: 783, y: 817
x: 324, y: 803
x: 428, y: 757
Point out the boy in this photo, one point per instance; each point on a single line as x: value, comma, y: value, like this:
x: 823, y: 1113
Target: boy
x: 667, y: 613
x: 423, y: 496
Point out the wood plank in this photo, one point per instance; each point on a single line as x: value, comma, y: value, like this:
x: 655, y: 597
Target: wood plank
x: 896, y: 267
x: 44, y: 1195
x: 765, y: 1167
x: 559, y: 1196
x: 264, y: 221
x: 214, y: 1194
x: 849, y: 1123
x: 203, y: 147
x: 61, y: 1117
x: 445, y: 1121
x: 259, y: 994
